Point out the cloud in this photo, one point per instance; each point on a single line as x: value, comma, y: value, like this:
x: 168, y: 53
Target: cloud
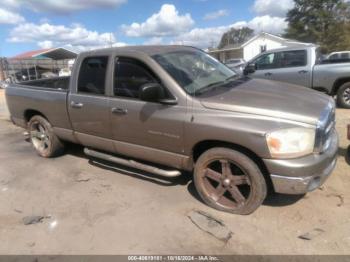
x: 45, y: 44
x: 266, y: 23
x: 154, y: 41
x: 201, y: 37
x: 167, y: 22
x: 216, y: 15
x: 272, y: 7
x: 211, y: 36
x: 47, y: 35
x: 10, y: 4
x: 9, y: 17
x: 68, y: 6
x: 81, y: 48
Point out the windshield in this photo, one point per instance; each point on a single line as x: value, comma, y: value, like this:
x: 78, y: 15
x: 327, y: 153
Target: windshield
x: 195, y: 71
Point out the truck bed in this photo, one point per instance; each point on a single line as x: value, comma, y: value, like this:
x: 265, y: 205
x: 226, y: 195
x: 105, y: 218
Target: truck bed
x: 60, y: 83
x: 47, y: 97
x: 326, y: 75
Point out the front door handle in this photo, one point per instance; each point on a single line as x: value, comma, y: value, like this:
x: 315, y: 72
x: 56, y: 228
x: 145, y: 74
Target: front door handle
x: 302, y: 72
x: 119, y: 111
x: 76, y: 105
x: 268, y: 74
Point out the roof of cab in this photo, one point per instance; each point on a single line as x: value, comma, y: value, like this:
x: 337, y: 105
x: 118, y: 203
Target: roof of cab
x: 291, y: 48
x: 149, y: 50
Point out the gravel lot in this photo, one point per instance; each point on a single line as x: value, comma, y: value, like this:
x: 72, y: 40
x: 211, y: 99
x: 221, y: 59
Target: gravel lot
x: 91, y: 208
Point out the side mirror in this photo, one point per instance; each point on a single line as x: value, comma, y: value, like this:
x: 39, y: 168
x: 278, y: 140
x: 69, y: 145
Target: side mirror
x: 249, y: 69
x: 153, y: 92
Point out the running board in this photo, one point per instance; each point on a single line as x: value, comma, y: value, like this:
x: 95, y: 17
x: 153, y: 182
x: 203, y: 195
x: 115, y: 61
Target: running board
x: 132, y: 163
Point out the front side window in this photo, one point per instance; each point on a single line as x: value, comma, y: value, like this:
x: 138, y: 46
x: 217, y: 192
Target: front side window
x: 92, y: 75
x: 194, y: 70
x: 268, y: 61
x: 129, y: 76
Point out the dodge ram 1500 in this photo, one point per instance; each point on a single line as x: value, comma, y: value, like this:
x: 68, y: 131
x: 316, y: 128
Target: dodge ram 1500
x: 164, y: 109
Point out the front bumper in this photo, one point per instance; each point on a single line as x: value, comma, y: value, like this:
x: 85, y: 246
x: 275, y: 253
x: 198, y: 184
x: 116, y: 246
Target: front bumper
x: 302, y: 175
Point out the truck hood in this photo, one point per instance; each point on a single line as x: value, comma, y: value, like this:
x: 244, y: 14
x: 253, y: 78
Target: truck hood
x: 268, y: 98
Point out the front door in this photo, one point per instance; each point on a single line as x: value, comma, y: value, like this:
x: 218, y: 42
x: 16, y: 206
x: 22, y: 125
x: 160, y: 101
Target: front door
x: 264, y: 66
x: 89, y: 106
x: 142, y: 128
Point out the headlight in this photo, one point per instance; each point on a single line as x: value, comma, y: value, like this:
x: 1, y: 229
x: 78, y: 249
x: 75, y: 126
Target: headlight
x: 291, y: 143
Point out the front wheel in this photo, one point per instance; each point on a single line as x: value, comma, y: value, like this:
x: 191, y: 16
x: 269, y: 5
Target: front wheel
x: 43, y: 138
x: 229, y: 181
x: 343, y: 96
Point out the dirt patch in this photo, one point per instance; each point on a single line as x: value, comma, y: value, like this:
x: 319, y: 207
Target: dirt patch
x: 210, y: 224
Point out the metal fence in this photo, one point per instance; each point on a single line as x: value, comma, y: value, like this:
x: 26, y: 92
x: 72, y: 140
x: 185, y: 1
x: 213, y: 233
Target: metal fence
x: 16, y: 70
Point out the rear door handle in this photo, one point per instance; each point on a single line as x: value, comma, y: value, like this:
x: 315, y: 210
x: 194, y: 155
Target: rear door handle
x: 119, y: 111
x: 268, y: 74
x: 303, y: 72
x: 76, y: 105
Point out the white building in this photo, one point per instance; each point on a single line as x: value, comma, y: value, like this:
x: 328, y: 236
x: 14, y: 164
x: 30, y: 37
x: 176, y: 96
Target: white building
x: 256, y: 45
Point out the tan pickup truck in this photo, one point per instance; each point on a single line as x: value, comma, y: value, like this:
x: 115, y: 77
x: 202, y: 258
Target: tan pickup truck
x: 164, y: 109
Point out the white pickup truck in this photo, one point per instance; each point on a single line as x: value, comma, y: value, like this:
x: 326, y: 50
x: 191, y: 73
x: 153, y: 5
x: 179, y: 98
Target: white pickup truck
x: 304, y: 66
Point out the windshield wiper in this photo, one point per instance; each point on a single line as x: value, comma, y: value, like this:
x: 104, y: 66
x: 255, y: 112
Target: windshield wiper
x: 214, y: 85
x: 208, y: 87
x: 232, y: 77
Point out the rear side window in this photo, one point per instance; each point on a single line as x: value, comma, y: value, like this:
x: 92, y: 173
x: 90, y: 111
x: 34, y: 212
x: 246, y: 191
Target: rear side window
x: 345, y: 55
x: 129, y: 75
x: 293, y: 58
x: 92, y: 75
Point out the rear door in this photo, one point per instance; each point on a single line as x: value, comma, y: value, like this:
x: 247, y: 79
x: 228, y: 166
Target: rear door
x: 88, y: 105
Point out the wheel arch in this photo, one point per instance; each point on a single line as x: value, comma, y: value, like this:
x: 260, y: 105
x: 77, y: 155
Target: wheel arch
x: 205, y: 145
x: 29, y: 113
x: 338, y: 83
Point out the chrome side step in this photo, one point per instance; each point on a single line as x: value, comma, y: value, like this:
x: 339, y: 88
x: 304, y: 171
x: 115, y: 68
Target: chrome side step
x: 132, y: 163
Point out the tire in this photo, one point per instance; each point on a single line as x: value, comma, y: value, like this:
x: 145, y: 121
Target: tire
x: 242, y: 173
x: 43, y: 138
x: 343, y: 96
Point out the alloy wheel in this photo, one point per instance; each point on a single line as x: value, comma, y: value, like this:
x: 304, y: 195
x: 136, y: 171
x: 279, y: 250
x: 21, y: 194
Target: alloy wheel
x: 226, y: 183
x: 346, y: 95
x: 39, y: 137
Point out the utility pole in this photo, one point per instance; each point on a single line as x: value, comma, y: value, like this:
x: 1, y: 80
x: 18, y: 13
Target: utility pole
x: 111, y: 42
x: 2, y: 73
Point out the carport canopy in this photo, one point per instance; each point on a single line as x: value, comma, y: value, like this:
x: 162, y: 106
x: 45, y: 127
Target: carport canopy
x: 59, y: 53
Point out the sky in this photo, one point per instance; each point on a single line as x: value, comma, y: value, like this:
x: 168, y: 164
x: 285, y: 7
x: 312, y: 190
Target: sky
x: 87, y: 24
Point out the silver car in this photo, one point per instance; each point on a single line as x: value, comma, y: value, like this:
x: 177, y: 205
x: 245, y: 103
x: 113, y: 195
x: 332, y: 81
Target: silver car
x: 303, y: 66
x: 236, y: 65
x: 3, y: 84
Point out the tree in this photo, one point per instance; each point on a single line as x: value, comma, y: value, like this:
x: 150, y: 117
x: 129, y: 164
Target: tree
x: 236, y: 36
x: 324, y: 22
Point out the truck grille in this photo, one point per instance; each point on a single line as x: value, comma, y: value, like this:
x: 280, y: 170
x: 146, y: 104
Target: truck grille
x: 325, y: 128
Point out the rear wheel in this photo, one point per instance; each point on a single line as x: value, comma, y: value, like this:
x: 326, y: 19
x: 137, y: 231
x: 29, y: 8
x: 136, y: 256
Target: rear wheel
x: 230, y: 181
x: 43, y: 139
x: 343, y: 96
